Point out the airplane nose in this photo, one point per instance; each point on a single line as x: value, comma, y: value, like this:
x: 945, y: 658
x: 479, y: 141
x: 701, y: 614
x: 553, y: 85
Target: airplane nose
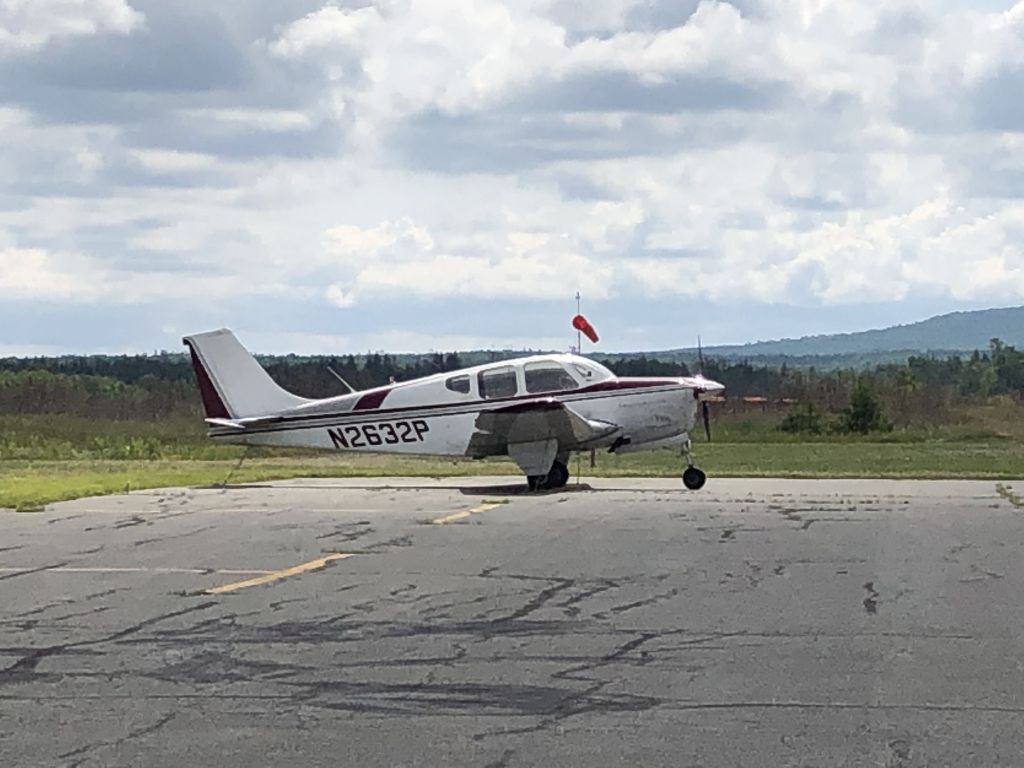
x: 712, y: 387
x: 703, y: 387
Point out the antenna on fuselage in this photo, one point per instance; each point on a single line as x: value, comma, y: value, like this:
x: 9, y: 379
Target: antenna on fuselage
x: 337, y: 375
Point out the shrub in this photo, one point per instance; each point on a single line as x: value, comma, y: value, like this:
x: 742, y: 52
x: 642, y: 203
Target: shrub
x: 864, y: 413
x: 804, y: 419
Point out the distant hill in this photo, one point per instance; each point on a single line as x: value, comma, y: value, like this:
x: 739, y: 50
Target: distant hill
x: 944, y: 334
x: 956, y: 333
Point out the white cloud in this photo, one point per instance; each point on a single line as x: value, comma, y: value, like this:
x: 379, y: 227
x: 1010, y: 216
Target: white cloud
x: 172, y: 160
x: 547, y: 276
x: 35, y: 274
x: 414, y: 341
x: 32, y: 273
x: 810, y: 152
x: 175, y: 238
x: 393, y: 341
x: 403, y: 56
x: 328, y: 27
x: 284, y: 342
x: 716, y: 35
x: 30, y: 24
x: 270, y: 120
x: 339, y: 297
x: 353, y: 244
x: 402, y: 259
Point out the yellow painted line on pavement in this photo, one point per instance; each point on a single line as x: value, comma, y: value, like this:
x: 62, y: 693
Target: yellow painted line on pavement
x: 267, y: 578
x: 452, y: 517
x: 463, y: 514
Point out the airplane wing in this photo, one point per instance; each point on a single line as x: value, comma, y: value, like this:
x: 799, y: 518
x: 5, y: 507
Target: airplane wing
x: 536, y: 421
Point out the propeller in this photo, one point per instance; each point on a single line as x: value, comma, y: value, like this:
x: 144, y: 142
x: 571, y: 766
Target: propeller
x: 704, y: 409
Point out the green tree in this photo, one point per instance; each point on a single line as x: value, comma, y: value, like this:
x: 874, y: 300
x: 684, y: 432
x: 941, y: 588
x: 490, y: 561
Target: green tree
x: 864, y: 413
x: 803, y: 419
x: 1008, y: 365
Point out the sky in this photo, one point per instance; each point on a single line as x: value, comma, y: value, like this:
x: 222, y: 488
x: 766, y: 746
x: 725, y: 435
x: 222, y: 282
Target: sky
x: 415, y: 175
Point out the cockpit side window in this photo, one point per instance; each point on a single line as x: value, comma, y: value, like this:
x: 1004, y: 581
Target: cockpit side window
x: 497, y: 382
x: 458, y: 384
x: 548, y: 377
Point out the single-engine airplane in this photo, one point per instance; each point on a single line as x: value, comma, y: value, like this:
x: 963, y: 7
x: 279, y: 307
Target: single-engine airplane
x: 537, y: 410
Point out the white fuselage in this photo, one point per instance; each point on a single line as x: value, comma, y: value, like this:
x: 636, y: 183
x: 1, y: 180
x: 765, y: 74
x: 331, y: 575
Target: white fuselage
x: 437, y: 415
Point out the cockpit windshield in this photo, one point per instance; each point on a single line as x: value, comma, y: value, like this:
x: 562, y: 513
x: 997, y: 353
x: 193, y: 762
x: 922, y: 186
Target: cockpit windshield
x: 548, y: 376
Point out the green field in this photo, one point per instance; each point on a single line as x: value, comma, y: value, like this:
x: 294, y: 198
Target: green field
x: 47, y: 458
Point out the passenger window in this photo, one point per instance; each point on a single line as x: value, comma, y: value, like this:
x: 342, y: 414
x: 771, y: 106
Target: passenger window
x: 458, y: 384
x: 498, y: 382
x: 548, y: 377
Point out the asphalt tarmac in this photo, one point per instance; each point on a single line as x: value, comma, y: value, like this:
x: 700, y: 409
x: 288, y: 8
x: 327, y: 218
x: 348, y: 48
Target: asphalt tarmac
x: 464, y: 623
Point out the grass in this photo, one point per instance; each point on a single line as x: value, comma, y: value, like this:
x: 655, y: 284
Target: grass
x: 43, y: 437
x: 29, y: 485
x: 54, y: 458
x: 40, y: 437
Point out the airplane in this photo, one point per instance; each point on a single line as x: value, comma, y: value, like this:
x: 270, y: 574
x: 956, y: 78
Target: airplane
x: 536, y: 410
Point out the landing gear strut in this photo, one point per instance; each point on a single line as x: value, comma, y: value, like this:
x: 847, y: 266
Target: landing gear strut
x: 556, y: 477
x: 693, y: 478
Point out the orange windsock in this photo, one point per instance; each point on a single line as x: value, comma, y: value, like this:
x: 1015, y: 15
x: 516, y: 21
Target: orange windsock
x: 580, y: 324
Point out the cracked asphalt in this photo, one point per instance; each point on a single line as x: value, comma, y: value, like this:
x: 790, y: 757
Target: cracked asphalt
x: 753, y: 623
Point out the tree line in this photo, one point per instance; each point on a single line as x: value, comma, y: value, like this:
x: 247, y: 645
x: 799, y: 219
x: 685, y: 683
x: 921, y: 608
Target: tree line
x: 922, y: 389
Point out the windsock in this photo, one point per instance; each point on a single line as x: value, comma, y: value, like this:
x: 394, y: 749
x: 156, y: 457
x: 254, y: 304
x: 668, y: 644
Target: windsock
x: 580, y: 324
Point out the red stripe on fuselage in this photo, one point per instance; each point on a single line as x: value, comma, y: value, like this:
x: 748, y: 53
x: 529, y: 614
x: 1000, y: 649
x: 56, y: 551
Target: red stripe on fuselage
x: 371, y: 400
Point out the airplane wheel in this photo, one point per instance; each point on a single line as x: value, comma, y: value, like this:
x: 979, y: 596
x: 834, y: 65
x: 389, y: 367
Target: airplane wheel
x: 558, y: 476
x: 536, y: 482
x: 694, y: 478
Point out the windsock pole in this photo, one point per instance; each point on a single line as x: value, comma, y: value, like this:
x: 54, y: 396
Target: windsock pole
x: 579, y: 333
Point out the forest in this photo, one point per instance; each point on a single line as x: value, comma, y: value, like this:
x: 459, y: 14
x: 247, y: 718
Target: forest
x: 921, y: 390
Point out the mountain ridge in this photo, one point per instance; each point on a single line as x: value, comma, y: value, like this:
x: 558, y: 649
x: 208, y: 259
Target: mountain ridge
x: 962, y: 331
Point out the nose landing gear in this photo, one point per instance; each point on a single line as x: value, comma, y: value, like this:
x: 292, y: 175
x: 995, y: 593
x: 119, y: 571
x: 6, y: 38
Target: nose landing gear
x: 693, y: 478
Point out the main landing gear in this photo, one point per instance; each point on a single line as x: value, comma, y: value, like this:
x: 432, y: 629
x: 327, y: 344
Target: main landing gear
x: 693, y: 478
x: 556, y: 477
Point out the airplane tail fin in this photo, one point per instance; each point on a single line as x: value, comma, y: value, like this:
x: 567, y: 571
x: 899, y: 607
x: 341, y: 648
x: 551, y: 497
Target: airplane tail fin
x: 232, y: 384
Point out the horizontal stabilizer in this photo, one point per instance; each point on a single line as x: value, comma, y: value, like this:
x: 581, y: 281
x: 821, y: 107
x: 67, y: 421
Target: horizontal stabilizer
x: 224, y: 423
x: 242, y: 424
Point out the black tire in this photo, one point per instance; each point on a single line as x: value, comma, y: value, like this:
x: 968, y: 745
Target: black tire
x: 558, y: 475
x: 694, y: 478
x: 536, y: 482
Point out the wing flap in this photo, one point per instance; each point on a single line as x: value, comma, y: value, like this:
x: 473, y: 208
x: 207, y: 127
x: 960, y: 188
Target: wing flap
x: 539, y: 420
